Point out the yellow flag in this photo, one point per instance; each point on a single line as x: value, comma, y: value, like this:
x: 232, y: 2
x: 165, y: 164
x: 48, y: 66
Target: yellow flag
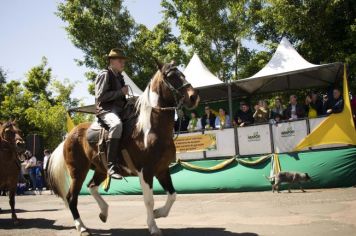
x: 70, y: 124
x: 336, y: 128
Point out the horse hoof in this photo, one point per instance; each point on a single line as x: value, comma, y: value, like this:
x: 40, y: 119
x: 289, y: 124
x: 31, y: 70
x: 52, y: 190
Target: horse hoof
x: 103, y: 217
x: 85, y: 233
x: 157, y: 233
x: 158, y: 214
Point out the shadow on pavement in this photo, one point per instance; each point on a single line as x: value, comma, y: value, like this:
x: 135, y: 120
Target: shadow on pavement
x: 8, y: 211
x: 172, y: 232
x: 34, y: 223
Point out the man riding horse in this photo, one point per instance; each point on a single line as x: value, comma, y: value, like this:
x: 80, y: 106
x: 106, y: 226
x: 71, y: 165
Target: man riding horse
x: 110, y: 99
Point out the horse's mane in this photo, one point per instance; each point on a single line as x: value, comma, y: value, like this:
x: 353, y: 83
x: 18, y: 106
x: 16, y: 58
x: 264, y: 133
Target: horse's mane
x: 143, y: 106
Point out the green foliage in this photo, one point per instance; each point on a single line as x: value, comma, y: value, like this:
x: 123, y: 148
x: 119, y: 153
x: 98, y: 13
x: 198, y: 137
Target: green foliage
x: 48, y: 121
x: 38, y: 79
x: 323, y: 31
x: 96, y: 26
x: 62, y: 92
x: 91, y: 75
x: 39, y: 104
x: 214, y: 29
x: 2, y: 85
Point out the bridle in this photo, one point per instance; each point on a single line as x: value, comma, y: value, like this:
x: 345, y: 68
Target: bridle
x: 177, y: 94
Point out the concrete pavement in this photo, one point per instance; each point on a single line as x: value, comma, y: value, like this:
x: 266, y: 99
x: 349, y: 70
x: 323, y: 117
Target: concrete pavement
x: 318, y: 212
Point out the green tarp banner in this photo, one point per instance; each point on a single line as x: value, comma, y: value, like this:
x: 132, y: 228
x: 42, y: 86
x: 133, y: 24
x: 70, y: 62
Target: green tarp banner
x: 327, y: 168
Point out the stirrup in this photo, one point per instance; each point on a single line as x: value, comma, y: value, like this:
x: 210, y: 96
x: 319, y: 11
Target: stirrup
x: 113, y: 172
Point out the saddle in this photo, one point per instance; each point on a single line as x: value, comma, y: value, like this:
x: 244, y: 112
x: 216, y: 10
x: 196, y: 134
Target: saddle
x: 97, y: 133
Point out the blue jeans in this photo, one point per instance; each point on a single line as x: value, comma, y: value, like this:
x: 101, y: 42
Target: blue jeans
x: 32, y: 173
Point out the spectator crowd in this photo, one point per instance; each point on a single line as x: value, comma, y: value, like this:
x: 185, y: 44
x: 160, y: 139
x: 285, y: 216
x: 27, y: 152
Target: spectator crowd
x: 313, y: 106
x: 33, y: 173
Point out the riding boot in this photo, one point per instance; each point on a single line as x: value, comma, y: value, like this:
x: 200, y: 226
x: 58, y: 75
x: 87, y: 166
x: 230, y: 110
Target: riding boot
x: 113, y: 155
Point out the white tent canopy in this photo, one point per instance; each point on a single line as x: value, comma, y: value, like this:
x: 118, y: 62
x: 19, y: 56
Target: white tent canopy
x: 285, y: 59
x: 289, y: 70
x: 128, y: 81
x: 198, y: 75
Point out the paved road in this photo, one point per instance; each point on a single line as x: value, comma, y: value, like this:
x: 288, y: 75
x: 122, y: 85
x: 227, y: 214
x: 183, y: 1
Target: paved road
x: 318, y: 212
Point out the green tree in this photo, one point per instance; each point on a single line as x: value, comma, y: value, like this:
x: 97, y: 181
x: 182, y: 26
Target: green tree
x: 2, y: 85
x: 39, y: 104
x: 214, y: 29
x: 96, y: 26
x: 48, y: 120
x: 62, y: 93
x: 37, y: 80
x: 323, y: 31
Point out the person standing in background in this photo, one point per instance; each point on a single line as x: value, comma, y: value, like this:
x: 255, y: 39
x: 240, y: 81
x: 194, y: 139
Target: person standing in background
x: 30, y: 166
x: 261, y: 114
x: 194, y: 122
x: 47, y: 154
x: 208, y: 119
x: 294, y: 110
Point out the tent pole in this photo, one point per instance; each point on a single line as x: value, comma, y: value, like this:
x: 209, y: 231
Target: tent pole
x: 229, y: 98
x: 232, y: 116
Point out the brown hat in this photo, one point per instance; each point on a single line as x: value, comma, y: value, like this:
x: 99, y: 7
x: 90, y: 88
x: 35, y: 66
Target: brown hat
x: 116, y: 53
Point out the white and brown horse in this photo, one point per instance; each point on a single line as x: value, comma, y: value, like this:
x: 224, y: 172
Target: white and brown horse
x: 148, y: 149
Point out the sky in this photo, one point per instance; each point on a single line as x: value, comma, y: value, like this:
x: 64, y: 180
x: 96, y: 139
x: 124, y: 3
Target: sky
x: 30, y: 30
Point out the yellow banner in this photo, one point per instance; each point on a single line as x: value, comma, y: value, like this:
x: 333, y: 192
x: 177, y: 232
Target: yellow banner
x: 195, y: 143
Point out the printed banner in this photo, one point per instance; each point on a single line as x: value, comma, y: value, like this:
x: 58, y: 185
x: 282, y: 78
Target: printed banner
x: 225, y: 143
x: 286, y: 136
x: 195, y: 143
x: 254, y: 140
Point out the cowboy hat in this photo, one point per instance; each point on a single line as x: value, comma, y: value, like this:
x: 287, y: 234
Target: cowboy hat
x: 116, y: 53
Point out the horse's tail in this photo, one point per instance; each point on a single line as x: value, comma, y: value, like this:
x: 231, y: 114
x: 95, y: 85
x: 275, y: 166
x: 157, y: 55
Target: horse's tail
x: 58, y: 177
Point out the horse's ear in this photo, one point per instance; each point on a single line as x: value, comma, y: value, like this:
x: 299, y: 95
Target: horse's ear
x: 173, y: 63
x: 158, y: 64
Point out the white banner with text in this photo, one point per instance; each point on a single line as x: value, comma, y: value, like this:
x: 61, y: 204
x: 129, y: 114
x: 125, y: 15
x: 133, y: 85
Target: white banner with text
x: 287, y: 135
x: 254, y: 140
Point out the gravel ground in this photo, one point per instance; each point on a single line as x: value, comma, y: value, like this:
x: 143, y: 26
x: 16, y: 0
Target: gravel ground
x: 317, y: 212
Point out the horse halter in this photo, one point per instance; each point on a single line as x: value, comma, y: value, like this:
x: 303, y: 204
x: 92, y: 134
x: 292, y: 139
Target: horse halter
x: 176, y: 92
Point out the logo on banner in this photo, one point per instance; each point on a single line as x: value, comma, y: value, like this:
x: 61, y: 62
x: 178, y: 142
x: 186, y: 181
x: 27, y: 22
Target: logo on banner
x: 254, y: 137
x: 289, y: 132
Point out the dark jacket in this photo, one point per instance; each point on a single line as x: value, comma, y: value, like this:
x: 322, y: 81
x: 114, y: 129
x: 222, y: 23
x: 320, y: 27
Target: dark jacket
x: 184, y: 124
x: 245, y: 117
x: 108, y: 94
x: 211, y: 120
x: 337, y: 105
x: 318, y: 106
x: 299, y: 110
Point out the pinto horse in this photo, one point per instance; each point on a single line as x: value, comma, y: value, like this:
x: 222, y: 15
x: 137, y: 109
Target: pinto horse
x: 11, y: 145
x: 148, y: 150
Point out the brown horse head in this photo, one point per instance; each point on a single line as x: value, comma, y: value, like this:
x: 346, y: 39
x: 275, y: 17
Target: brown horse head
x: 11, y: 134
x: 173, y: 88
